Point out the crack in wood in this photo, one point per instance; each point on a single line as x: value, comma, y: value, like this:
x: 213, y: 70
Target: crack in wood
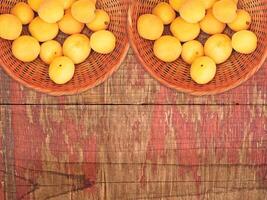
x: 86, y: 183
x: 200, y: 194
x: 8, y: 154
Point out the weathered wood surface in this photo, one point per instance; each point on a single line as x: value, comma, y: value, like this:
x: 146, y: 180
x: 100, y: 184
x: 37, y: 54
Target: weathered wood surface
x: 174, y: 146
x: 132, y: 85
x: 133, y: 152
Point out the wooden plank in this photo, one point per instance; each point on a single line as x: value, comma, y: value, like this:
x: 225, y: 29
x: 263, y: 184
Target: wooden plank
x: 132, y: 85
x: 7, y: 149
x: 136, y: 152
x: 2, y: 177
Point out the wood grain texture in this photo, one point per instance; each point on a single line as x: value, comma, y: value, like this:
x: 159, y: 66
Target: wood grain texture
x: 132, y: 138
x: 134, y: 152
x: 2, y: 153
x: 131, y: 84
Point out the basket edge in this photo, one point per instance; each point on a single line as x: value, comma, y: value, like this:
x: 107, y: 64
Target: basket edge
x: 180, y: 89
x: 70, y: 92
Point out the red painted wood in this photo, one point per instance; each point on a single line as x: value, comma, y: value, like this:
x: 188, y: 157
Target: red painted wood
x: 174, y: 146
x: 89, y: 152
x: 2, y: 169
x: 132, y: 85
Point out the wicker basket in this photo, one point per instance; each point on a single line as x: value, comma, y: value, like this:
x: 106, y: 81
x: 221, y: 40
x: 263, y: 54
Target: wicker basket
x: 96, y: 69
x: 230, y: 74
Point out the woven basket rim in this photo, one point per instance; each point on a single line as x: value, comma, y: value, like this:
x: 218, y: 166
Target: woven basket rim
x: 218, y: 90
x: 120, y: 53
x: 73, y: 91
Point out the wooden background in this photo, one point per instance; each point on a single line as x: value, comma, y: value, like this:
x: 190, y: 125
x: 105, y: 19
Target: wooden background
x: 132, y: 138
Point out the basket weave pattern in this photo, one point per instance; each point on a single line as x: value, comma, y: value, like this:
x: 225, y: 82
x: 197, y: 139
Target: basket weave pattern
x: 235, y: 71
x: 96, y: 69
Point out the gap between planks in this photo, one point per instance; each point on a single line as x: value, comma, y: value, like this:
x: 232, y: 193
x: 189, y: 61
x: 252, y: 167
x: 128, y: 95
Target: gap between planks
x: 144, y: 104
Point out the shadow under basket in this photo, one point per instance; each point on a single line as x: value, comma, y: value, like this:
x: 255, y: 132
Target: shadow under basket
x: 95, y: 70
x: 233, y: 72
